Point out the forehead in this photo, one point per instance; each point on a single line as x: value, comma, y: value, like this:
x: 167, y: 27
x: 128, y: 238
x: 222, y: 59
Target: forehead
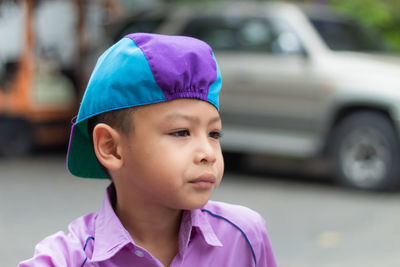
x: 178, y: 109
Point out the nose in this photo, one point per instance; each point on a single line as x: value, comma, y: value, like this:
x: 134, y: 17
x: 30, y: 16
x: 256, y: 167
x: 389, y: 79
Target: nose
x: 206, y: 152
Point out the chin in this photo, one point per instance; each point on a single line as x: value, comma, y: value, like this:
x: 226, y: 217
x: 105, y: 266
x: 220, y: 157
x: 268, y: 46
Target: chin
x: 196, y: 204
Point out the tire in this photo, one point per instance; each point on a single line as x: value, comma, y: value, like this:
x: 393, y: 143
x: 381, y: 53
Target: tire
x: 15, y: 137
x: 233, y: 161
x: 366, y: 152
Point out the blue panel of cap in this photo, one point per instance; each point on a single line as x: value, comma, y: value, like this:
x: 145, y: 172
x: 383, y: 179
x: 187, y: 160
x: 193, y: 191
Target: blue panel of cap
x: 122, y: 78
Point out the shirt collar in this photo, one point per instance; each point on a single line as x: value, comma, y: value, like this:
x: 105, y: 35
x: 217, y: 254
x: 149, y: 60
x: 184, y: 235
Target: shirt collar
x: 200, y: 221
x: 111, y: 235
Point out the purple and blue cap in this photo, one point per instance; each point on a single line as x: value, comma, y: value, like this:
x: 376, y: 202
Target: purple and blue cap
x: 138, y: 70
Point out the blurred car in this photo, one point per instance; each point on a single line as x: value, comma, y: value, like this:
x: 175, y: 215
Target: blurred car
x: 299, y: 81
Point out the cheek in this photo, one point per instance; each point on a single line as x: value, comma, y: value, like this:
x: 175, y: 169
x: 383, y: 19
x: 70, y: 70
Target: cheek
x: 166, y: 159
x: 221, y: 165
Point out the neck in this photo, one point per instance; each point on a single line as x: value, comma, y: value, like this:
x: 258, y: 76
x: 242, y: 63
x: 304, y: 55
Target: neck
x: 155, y: 229
x: 149, y: 225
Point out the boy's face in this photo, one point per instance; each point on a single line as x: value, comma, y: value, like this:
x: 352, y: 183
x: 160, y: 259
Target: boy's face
x: 173, y: 156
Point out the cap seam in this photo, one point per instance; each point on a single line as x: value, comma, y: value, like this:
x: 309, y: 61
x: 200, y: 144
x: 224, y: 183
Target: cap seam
x: 122, y: 107
x: 149, y: 60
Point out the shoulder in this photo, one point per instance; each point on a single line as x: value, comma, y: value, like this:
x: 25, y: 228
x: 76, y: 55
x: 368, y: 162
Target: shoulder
x: 228, y: 219
x: 241, y: 216
x: 238, y: 227
x: 64, y: 249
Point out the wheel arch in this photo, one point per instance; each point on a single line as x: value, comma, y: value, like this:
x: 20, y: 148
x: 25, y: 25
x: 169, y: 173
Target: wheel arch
x: 347, y: 110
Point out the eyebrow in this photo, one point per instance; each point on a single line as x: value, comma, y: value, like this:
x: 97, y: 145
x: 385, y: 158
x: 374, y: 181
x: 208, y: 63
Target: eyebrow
x: 175, y: 116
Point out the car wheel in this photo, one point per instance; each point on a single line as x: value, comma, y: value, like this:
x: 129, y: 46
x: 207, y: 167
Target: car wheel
x: 15, y: 137
x: 233, y: 161
x: 366, y: 152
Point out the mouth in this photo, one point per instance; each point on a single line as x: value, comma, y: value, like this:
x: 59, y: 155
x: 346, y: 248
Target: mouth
x: 205, y: 181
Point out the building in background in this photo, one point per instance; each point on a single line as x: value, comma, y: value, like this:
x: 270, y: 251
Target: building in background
x: 45, y: 54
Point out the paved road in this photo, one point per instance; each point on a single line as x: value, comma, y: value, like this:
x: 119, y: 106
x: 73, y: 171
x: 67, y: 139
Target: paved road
x: 310, y: 223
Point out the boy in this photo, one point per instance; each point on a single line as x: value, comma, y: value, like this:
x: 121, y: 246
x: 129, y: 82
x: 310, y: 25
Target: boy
x: 149, y: 121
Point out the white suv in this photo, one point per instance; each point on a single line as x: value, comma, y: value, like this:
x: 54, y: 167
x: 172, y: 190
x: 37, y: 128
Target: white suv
x: 298, y: 81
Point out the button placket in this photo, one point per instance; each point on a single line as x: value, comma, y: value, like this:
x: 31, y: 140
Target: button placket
x: 139, y: 253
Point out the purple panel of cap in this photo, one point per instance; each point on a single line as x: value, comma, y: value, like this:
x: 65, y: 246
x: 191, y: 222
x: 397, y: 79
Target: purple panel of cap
x: 183, y: 67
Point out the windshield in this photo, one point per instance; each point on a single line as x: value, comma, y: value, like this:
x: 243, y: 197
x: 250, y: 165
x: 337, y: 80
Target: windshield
x: 339, y: 36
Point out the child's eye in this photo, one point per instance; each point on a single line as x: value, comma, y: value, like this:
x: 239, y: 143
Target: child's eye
x: 180, y: 133
x: 215, y: 134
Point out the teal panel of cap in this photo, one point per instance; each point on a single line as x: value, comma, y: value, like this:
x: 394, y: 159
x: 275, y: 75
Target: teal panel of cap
x: 122, y: 78
x: 81, y: 159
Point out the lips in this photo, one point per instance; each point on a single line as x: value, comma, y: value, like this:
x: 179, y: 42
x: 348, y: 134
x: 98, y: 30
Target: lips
x: 204, y: 181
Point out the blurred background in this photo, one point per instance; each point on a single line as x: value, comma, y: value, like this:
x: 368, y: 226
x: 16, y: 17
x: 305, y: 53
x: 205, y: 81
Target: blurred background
x: 310, y: 107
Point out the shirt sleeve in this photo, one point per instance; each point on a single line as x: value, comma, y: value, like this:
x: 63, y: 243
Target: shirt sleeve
x: 264, y: 254
x: 57, y: 250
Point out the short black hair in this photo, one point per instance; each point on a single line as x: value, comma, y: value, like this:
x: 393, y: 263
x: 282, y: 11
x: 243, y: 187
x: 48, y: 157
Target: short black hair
x: 119, y: 119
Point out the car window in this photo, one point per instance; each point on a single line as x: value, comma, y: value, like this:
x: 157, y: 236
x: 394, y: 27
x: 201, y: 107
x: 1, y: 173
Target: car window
x: 245, y: 34
x: 220, y: 34
x: 287, y: 41
x: 344, y: 35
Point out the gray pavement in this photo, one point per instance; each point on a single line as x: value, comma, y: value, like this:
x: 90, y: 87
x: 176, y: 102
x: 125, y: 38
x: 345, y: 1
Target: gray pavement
x: 310, y: 223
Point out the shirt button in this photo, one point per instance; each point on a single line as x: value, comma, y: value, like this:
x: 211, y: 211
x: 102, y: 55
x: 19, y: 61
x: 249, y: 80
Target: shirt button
x: 139, y: 253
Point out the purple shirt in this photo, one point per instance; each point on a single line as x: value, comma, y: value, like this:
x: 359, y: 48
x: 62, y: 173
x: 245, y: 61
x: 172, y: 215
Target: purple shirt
x: 219, y: 234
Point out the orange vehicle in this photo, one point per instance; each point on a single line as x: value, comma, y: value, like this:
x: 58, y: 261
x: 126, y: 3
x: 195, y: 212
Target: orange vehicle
x: 37, y: 102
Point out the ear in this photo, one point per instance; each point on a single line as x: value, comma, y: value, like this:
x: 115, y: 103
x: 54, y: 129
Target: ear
x: 107, y: 146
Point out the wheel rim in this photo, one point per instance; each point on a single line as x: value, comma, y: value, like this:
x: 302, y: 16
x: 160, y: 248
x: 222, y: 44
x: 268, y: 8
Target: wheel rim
x: 365, y: 157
